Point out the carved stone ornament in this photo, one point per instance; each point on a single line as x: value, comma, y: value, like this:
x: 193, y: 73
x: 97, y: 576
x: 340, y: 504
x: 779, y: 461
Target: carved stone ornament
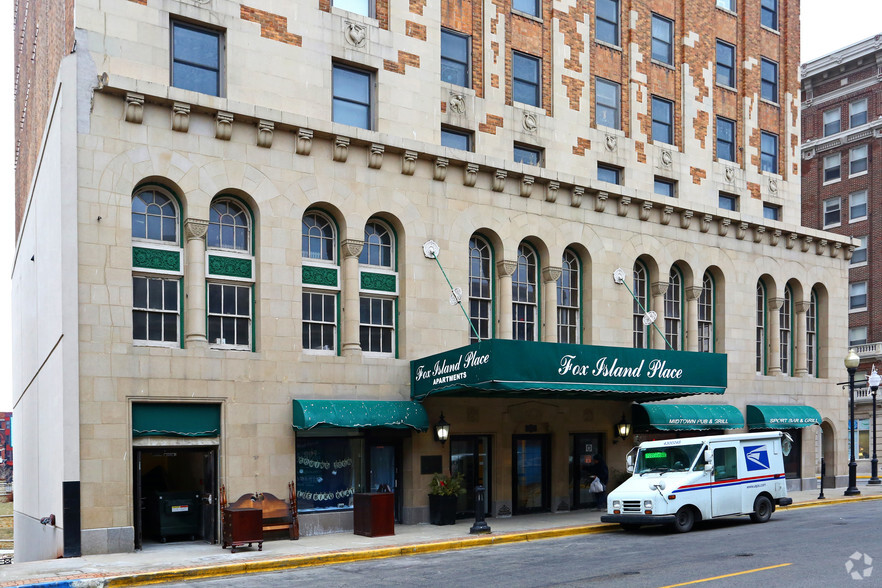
x: 773, y: 185
x: 837, y: 248
x: 341, y: 149
x: 457, y: 104
x: 685, y: 219
x: 849, y: 252
x: 499, y: 180
x: 265, y: 134
x: 355, y: 33
x: 134, y: 108
x: 729, y: 173
x: 611, y: 142
x: 724, y: 227
x: 506, y: 267
x: 527, y: 186
x: 439, y: 173
x: 195, y: 228
x: 375, y: 156
x: 530, y: 122
x: 645, y: 210
x: 408, y: 162
x: 774, y: 237
x: 666, y: 215
x: 758, y: 233
x: 791, y: 240
x: 820, y: 247
x: 551, y: 274
x: 741, y: 231
x: 600, y: 201
x: 180, y: 117
x: 808, y: 153
x: 705, y: 223
x: 223, y: 126
x: 624, y: 202
x: 576, y: 196
x: 551, y: 191
x: 470, y: 175
x: 806, y: 243
x: 351, y: 247
x: 666, y: 158
x: 304, y: 141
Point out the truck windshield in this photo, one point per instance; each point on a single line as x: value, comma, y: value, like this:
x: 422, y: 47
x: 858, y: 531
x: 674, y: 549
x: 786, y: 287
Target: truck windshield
x: 666, y: 459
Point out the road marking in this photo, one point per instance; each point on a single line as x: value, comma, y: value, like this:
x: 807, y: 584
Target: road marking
x: 728, y: 575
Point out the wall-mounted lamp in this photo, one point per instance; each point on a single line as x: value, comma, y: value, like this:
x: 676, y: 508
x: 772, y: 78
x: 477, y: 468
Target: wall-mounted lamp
x: 442, y: 430
x: 623, y: 428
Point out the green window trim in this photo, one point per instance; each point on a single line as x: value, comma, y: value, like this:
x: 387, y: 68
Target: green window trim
x: 233, y: 267
x: 379, y: 282
x: 156, y: 259
x: 327, y: 276
x: 173, y: 194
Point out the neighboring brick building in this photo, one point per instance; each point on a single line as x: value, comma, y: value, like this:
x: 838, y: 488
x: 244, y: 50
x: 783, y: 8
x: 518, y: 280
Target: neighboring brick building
x: 842, y: 192
x: 224, y: 274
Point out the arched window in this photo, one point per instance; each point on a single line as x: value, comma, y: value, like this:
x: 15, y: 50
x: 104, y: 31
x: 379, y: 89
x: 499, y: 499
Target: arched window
x: 321, y: 284
x: 640, y: 306
x: 523, y: 296
x: 378, y: 290
x: 480, y: 287
x: 568, y: 299
x: 706, y: 315
x: 760, y: 328
x: 784, y: 329
x: 154, y: 216
x: 811, y: 336
x: 228, y: 226
x: 674, y: 310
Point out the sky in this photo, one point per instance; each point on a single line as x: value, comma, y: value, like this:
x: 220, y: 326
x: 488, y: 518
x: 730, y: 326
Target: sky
x: 824, y: 29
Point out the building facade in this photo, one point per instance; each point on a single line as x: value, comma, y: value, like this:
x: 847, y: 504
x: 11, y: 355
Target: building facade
x: 278, y: 242
x: 841, y: 175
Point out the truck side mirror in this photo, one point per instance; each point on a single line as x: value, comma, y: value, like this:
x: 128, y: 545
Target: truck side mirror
x: 708, y: 456
x: 708, y: 466
x: 630, y: 464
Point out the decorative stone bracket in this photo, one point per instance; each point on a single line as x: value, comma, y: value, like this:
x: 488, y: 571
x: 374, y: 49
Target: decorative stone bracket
x: 600, y: 201
x: 705, y: 223
x: 741, y: 231
x: 685, y: 218
x: 265, y: 134
x: 180, y: 117
x: 134, y: 108
x: 551, y: 191
x: 624, y: 202
x: 723, y: 229
x: 223, y: 126
x: 439, y: 173
x: 806, y: 243
x: 667, y: 211
x: 304, y: 141
x: 527, y: 186
x: 645, y: 211
x: 408, y: 162
x: 470, y: 175
x: 499, y: 180
x: 341, y: 149
x: 576, y: 197
x: 375, y: 156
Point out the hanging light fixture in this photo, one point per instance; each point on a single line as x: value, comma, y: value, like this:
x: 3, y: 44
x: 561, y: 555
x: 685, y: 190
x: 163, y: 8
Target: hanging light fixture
x: 623, y: 428
x: 442, y: 430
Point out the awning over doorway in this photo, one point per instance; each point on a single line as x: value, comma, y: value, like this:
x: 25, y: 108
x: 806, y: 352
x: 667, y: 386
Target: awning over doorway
x: 781, y: 416
x: 396, y: 414
x: 686, y: 417
x: 175, y: 419
x: 503, y: 368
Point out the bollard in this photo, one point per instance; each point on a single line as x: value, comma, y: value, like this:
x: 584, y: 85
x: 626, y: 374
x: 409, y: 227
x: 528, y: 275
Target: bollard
x: 480, y: 525
x: 823, y: 473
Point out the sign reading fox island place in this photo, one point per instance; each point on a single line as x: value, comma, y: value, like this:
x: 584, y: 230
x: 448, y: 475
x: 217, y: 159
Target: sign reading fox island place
x: 506, y: 368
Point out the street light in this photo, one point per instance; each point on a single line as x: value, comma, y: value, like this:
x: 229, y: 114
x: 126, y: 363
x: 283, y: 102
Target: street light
x: 852, y: 360
x: 442, y: 430
x: 874, y: 381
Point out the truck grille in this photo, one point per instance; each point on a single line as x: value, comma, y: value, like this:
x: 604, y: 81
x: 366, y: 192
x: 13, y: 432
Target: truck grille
x: 630, y: 506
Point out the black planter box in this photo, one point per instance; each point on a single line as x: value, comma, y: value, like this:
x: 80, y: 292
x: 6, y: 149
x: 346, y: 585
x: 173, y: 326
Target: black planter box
x: 442, y: 509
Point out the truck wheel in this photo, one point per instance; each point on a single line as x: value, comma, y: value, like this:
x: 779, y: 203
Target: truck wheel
x: 762, y: 509
x: 685, y: 520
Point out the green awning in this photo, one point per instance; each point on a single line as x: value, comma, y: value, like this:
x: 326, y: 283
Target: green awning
x: 175, y: 419
x: 502, y: 368
x: 686, y: 417
x: 781, y: 416
x: 396, y: 414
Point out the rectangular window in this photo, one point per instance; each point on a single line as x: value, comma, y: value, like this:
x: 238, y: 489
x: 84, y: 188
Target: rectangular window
x: 831, y: 168
x: 811, y: 337
x: 728, y: 202
x: 377, y: 325
x: 769, y: 14
x: 362, y: 7
x: 606, y: 21
x: 771, y: 212
x: 527, y: 155
x: 832, y: 212
x: 725, y: 64
x: 329, y: 472
x: 662, y: 120
x: 725, y: 139
x: 525, y: 79
x: 769, y: 73
x: 319, y: 321
x: 831, y: 122
x: 456, y: 139
x: 455, y: 58
x: 607, y: 103
x: 229, y: 315
x: 857, y: 160
x: 857, y: 336
x: 662, y: 39
x: 530, y: 7
x: 197, y: 58
x: 857, y: 206
x: 857, y: 296
x: 859, y: 257
x: 857, y: 113
x: 664, y: 187
x: 769, y: 155
x: 155, y: 314
x: 607, y: 173
x: 352, y: 96
x: 727, y: 4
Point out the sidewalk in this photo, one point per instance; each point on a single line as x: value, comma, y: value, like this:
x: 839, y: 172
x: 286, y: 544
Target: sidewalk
x: 189, y: 560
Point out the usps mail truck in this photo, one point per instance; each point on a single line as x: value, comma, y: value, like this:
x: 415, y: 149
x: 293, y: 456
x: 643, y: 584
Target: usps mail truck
x: 680, y: 481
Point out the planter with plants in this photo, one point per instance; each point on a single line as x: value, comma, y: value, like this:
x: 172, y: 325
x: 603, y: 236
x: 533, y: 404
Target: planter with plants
x: 443, y: 493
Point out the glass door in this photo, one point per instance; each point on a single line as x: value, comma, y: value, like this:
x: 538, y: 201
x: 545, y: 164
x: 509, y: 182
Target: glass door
x: 584, y: 447
x: 383, y: 471
x: 470, y: 456
x: 531, y: 479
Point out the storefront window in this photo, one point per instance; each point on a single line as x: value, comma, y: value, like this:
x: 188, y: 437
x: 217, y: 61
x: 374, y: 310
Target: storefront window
x: 330, y: 470
x: 862, y: 438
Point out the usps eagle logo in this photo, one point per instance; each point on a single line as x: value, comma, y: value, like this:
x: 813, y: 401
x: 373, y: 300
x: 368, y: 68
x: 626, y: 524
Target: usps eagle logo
x: 756, y: 457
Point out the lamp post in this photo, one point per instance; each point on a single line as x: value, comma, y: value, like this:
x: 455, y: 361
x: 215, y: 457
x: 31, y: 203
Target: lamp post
x: 852, y: 360
x: 873, y: 382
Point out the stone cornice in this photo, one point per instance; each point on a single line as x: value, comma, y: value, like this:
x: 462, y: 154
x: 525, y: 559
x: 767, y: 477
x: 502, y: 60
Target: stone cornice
x: 855, y: 51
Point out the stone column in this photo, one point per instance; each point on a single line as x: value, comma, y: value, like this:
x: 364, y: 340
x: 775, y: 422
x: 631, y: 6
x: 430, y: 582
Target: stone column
x: 692, y: 295
x: 773, y: 336
x: 351, y: 249
x: 194, y: 274
x: 656, y: 339
x: 550, y: 275
x: 505, y: 270
x: 800, y: 369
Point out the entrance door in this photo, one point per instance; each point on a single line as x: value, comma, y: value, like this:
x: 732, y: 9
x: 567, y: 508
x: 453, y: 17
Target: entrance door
x: 531, y: 476
x: 725, y: 493
x: 209, y: 496
x: 470, y: 456
x: 585, y: 446
x: 383, y: 472
x: 138, y: 505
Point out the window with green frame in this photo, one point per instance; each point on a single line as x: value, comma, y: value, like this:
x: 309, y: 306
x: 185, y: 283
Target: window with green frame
x: 706, y: 315
x: 811, y: 336
x: 785, y: 331
x: 480, y: 289
x: 321, y: 284
x: 640, y: 331
x: 569, y: 299
x: 674, y: 310
x: 525, y: 295
x: 378, y: 306
x: 760, y: 338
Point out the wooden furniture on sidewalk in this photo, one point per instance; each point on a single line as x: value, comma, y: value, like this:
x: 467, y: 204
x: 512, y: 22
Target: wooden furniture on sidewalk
x: 274, y: 515
x: 242, y: 526
x: 374, y: 514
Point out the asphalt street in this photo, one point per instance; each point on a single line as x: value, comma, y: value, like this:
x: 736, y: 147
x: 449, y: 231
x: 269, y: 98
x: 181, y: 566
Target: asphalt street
x: 826, y: 546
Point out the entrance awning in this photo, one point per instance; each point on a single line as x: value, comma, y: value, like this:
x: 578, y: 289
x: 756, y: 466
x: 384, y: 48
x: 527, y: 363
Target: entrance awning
x: 781, y: 416
x: 175, y: 419
x: 502, y: 368
x: 395, y: 414
x: 686, y: 417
